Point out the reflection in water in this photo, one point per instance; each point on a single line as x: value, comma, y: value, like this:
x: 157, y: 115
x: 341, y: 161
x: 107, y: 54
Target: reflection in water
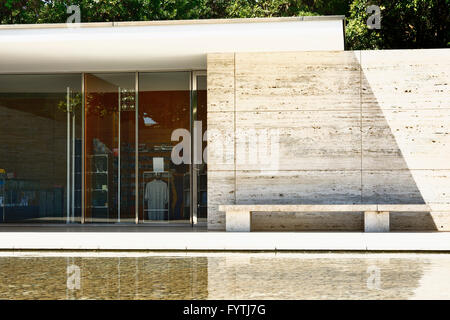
x: 223, y: 276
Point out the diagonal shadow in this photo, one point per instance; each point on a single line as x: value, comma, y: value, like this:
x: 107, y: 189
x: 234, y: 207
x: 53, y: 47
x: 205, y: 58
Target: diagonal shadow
x: 385, y: 175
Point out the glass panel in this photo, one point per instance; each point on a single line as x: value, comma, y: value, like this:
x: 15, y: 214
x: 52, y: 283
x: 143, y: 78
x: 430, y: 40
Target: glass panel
x: 40, y: 148
x: 109, y: 147
x: 128, y: 151
x: 201, y: 169
x: 164, y: 185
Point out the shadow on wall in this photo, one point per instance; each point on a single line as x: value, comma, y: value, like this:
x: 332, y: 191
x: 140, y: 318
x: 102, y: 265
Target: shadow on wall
x: 386, y: 176
x: 366, y: 166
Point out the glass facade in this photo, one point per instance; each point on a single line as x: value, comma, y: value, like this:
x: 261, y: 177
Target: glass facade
x: 101, y: 148
x: 40, y: 148
x: 110, y: 110
x: 164, y: 108
x: 199, y: 114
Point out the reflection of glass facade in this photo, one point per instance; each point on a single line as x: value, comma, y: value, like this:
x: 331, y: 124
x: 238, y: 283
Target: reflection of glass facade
x: 97, y: 148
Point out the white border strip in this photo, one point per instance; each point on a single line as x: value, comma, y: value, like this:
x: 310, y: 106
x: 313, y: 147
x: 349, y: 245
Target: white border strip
x: 223, y: 241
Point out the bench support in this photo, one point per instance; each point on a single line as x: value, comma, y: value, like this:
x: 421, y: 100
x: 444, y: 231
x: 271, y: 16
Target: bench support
x: 241, y: 221
x: 238, y: 220
x: 376, y: 221
x: 376, y: 216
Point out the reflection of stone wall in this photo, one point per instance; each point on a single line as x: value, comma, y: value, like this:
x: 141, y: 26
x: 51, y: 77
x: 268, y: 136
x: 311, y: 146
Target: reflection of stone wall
x: 34, y: 147
x: 315, y: 277
x: 354, y: 127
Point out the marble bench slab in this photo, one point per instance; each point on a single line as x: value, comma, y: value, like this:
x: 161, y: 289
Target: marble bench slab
x: 376, y: 216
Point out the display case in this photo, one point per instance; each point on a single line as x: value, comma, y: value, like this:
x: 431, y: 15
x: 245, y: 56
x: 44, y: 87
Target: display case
x: 2, y: 195
x: 100, y: 186
x: 187, y: 195
x: 202, y: 192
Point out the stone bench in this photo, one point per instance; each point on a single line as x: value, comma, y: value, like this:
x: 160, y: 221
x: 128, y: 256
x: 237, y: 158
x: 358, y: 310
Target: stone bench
x: 376, y: 216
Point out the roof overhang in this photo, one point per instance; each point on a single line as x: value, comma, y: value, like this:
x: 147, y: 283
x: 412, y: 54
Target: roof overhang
x: 162, y: 45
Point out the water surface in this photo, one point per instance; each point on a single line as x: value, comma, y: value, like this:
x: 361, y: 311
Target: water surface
x: 82, y: 275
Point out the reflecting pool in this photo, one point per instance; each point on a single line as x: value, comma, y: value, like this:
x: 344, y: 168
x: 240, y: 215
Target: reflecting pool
x: 106, y: 275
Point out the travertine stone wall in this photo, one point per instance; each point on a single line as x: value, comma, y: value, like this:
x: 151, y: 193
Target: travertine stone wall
x: 221, y: 119
x: 336, y: 127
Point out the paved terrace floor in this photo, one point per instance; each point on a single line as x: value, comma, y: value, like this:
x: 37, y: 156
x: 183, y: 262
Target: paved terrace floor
x: 182, y: 238
x: 100, y: 228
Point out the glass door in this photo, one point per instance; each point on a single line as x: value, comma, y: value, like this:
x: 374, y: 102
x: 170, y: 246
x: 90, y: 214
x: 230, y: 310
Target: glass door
x: 164, y: 147
x: 40, y: 148
x: 144, y: 142
x: 199, y: 167
x: 110, y: 125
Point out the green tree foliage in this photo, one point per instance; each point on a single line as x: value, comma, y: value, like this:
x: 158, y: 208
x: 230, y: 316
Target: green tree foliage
x: 19, y: 11
x: 284, y: 8
x: 404, y: 24
x: 54, y: 11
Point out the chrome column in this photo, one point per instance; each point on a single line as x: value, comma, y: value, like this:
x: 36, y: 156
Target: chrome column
x: 118, y: 163
x: 68, y: 193
x: 136, y: 153
x: 83, y: 151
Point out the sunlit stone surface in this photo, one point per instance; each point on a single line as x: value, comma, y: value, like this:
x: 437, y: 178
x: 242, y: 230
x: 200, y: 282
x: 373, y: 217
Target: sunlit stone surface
x: 49, y: 275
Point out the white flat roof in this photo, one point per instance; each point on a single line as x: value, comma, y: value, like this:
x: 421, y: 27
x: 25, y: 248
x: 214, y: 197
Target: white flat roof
x: 157, y: 45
